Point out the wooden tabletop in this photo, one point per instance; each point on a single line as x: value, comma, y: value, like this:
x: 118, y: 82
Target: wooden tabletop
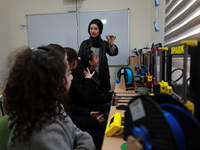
x: 115, y: 142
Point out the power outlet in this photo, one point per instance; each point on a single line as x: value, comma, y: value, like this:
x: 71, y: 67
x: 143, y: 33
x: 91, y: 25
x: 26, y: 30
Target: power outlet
x: 71, y: 8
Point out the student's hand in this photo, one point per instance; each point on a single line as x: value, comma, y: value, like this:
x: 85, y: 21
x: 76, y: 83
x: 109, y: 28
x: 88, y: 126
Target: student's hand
x: 94, y: 114
x: 88, y: 74
x: 100, y: 119
x: 111, y: 39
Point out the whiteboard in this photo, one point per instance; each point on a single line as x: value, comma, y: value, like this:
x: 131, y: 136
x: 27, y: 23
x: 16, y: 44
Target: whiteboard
x: 70, y: 29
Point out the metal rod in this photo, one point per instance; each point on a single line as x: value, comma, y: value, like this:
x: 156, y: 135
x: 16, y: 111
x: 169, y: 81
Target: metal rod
x: 184, y: 88
x: 179, y: 97
x: 161, y: 62
x: 113, y: 99
x: 125, y: 95
x: 121, y: 102
x: 169, y: 67
x: 123, y: 98
x: 127, y: 92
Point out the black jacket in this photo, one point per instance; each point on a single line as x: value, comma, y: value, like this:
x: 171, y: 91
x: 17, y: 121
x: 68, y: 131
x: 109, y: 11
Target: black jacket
x: 104, y: 74
x: 84, y: 91
x: 82, y: 119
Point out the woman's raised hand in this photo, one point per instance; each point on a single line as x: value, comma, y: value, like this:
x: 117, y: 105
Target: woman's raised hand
x: 111, y: 39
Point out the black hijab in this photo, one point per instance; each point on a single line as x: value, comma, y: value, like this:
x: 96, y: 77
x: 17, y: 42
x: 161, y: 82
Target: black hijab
x: 96, y: 42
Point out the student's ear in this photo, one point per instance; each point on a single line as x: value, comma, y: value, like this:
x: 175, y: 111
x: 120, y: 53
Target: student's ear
x: 90, y: 63
x: 74, y: 64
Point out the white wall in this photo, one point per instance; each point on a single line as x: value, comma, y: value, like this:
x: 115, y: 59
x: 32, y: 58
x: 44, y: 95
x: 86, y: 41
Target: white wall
x: 158, y: 37
x: 5, y: 39
x: 141, y: 21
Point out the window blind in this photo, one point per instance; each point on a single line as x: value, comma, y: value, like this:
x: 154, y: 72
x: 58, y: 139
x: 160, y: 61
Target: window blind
x: 182, y: 21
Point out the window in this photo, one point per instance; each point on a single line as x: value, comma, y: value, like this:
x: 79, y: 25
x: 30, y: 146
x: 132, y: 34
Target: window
x: 182, y: 21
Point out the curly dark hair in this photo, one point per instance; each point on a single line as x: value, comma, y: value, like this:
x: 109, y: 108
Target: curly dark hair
x: 36, y: 90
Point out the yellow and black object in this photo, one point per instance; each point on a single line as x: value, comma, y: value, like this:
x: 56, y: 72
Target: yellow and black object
x: 114, y: 125
x: 162, y: 87
x: 186, y: 48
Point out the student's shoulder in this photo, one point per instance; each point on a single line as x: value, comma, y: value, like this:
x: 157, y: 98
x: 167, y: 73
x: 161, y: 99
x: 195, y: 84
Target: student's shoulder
x: 56, y: 132
x: 57, y: 127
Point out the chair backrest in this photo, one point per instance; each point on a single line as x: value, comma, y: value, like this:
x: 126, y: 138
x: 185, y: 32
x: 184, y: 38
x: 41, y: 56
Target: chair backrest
x: 4, y: 132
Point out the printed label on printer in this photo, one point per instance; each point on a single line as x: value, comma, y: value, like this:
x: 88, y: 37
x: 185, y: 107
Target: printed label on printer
x: 137, y: 109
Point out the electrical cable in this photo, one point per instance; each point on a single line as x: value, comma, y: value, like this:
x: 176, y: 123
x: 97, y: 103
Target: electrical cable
x: 188, y: 79
x: 143, y: 66
x: 180, y: 75
x: 77, y: 22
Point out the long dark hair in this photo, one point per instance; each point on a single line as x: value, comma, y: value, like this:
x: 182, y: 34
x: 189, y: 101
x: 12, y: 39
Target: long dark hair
x: 36, y: 90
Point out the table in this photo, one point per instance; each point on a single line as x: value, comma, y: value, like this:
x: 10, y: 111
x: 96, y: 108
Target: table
x: 115, y: 142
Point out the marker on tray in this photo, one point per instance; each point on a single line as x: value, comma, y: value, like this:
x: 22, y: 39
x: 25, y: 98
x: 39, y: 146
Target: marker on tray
x: 106, y: 36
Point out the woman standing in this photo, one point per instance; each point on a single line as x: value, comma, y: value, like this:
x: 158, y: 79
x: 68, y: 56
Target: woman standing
x: 100, y: 48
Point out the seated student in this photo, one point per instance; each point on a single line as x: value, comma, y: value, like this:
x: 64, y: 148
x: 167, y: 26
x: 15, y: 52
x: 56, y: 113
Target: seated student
x: 72, y: 57
x: 36, y: 100
x: 57, y: 47
x: 83, y: 118
x: 86, y: 82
